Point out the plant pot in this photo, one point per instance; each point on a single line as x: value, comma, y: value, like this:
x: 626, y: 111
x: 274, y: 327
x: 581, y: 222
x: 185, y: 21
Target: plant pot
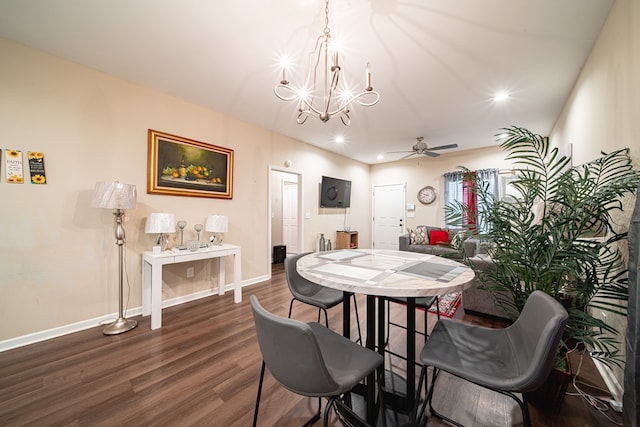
x: 549, y: 397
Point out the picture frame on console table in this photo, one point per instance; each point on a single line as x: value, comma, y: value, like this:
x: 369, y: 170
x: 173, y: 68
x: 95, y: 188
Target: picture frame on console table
x: 181, y: 166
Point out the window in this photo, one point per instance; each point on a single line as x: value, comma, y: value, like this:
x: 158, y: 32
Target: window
x: 460, y: 186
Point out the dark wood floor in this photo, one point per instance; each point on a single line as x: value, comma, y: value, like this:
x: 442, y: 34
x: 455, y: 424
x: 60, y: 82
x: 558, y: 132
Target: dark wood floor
x: 202, y: 369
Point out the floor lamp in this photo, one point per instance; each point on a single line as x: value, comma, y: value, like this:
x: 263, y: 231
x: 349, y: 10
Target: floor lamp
x: 118, y: 196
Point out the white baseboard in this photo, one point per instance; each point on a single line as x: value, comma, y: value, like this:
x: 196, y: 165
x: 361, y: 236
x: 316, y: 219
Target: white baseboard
x: 108, y: 318
x: 610, y: 380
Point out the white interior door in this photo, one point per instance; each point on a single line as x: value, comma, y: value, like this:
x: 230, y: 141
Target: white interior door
x: 388, y: 215
x: 290, y: 215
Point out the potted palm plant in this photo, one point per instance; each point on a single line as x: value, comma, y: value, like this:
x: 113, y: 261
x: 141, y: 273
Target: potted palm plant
x: 556, y: 234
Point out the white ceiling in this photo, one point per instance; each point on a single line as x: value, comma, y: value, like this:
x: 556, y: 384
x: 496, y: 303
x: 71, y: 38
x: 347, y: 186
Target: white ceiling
x: 435, y: 63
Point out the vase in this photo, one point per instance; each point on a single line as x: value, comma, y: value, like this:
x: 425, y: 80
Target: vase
x: 321, y: 244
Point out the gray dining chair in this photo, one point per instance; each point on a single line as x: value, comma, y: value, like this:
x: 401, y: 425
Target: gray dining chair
x: 311, y: 293
x: 422, y: 303
x: 311, y: 360
x: 515, y: 359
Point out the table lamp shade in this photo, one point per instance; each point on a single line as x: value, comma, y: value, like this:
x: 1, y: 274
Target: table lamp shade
x: 114, y: 195
x: 160, y: 223
x: 217, y: 224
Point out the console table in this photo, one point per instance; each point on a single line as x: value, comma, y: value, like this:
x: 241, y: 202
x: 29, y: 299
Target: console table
x: 152, y: 275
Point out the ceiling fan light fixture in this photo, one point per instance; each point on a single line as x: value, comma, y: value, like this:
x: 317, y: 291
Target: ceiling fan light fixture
x: 328, y: 94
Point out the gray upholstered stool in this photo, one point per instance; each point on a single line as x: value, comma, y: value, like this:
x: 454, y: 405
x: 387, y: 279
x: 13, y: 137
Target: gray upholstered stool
x: 516, y: 359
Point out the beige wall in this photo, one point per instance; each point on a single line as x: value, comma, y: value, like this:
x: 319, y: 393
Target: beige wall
x: 58, y: 258
x: 603, y: 110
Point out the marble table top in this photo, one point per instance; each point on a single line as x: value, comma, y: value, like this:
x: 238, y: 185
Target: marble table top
x: 385, y: 272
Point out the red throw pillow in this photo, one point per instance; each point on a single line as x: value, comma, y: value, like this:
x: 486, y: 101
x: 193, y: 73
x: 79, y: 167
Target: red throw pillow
x: 439, y: 237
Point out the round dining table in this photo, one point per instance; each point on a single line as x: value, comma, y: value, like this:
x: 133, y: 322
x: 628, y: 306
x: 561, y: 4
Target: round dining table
x: 385, y: 273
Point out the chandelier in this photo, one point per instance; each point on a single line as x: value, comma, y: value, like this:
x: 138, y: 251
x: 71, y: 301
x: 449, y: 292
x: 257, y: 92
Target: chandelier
x: 324, y: 94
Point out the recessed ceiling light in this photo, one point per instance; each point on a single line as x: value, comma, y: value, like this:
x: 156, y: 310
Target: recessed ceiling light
x: 339, y: 139
x: 380, y: 156
x: 501, y: 96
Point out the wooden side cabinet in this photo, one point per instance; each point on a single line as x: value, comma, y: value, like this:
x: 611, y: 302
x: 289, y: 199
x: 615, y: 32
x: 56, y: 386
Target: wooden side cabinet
x: 346, y: 239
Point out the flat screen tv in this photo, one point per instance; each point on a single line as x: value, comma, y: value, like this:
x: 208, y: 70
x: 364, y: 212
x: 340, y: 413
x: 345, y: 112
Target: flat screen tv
x: 335, y: 193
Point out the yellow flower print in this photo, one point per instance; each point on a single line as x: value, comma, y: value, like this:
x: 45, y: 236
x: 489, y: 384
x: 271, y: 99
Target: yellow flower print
x: 13, y: 153
x: 14, y: 179
x: 38, y: 179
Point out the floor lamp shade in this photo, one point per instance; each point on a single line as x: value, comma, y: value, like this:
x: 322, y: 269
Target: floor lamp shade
x: 114, y: 195
x: 118, y: 196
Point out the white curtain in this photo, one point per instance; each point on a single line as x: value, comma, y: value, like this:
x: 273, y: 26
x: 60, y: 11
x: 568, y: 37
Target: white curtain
x: 452, y: 189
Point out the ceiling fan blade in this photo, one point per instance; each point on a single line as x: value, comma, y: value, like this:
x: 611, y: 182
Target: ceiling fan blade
x: 430, y: 153
x: 398, y: 152
x: 444, y: 147
x: 408, y: 155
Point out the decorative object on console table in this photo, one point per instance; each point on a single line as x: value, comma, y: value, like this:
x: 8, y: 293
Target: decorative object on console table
x: 118, y: 196
x: 181, y: 225
x: 198, y: 229
x: 161, y: 223
x: 217, y: 224
x: 194, y: 245
x: 346, y: 239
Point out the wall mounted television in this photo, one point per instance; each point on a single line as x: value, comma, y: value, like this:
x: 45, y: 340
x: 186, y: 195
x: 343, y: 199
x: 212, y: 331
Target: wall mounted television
x: 335, y: 193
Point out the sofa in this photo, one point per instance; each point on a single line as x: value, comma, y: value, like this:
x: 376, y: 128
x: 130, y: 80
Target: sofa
x: 436, y: 241
x: 474, y: 299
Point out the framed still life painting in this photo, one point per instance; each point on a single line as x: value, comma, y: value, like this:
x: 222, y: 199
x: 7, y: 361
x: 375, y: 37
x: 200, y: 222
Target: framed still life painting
x: 184, y: 167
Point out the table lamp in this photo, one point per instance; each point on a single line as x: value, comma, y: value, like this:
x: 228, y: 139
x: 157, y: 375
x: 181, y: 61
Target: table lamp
x: 217, y: 224
x: 118, y: 196
x: 161, y: 224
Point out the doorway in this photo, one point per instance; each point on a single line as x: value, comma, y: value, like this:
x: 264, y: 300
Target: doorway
x: 285, y: 210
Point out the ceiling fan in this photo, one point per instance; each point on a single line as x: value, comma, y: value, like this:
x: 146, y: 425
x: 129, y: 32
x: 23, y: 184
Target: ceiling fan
x: 420, y: 148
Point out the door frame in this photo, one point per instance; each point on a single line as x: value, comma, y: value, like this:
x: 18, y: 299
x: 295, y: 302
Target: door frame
x: 300, y: 236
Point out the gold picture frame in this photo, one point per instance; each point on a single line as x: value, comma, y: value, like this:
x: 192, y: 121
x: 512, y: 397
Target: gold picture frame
x: 181, y: 166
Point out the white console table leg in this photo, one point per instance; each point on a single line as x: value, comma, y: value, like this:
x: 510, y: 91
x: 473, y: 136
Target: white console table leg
x: 237, y: 278
x: 156, y: 296
x: 146, y: 288
x: 222, y: 279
